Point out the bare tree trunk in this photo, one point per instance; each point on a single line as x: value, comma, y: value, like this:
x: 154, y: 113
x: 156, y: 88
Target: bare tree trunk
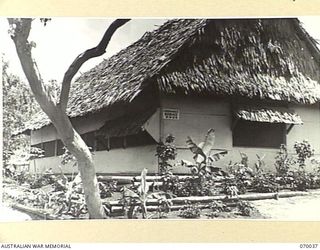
x: 57, y: 111
x: 74, y: 143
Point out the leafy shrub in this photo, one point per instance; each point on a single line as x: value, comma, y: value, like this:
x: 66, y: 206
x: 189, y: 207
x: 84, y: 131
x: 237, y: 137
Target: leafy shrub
x: 70, y: 203
x: 170, y: 183
x: 164, y: 207
x: 242, y: 169
x: 9, y: 171
x: 217, y: 207
x: 190, y: 211
x: 296, y: 179
x: 21, y: 177
x: 197, y: 186
x: 303, y: 181
x: 245, y: 208
x: 260, y: 164
x: 37, y: 183
x: 37, y: 198
x: 316, y: 165
x: 166, y: 151
x: 107, y: 189
x: 283, y: 161
x: 67, y: 157
x: 303, y: 151
x: 44, y: 179
x: 202, y: 169
x: 242, y: 174
x: 231, y: 188
x: 203, y: 156
x: 264, y: 183
x: 191, y: 187
x: 70, y: 200
x: 35, y: 153
x: 135, y: 200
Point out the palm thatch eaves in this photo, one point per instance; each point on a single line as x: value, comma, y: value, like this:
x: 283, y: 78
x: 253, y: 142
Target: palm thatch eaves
x: 268, y: 115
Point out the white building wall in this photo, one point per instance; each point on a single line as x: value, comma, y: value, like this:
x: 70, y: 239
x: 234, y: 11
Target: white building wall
x: 82, y: 125
x: 196, y: 116
x: 120, y: 161
x: 310, y: 130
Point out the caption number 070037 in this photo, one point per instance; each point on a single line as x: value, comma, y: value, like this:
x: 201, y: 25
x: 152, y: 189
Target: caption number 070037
x: 309, y: 246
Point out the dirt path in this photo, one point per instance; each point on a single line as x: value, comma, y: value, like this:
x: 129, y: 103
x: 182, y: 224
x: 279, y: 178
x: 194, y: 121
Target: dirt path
x: 304, y: 208
x: 8, y: 214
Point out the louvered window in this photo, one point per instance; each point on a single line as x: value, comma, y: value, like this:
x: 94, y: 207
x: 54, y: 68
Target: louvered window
x: 170, y: 114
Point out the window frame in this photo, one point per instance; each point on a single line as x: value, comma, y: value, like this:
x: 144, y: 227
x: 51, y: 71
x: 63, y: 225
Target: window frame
x: 255, y: 144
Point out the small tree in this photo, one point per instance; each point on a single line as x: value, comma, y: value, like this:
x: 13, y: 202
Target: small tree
x: 19, y: 105
x: 166, y: 151
x: 303, y: 151
x: 56, y: 109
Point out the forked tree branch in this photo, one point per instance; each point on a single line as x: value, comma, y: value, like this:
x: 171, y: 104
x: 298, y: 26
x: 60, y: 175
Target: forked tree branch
x: 69, y: 136
x: 20, y: 33
x: 85, y: 56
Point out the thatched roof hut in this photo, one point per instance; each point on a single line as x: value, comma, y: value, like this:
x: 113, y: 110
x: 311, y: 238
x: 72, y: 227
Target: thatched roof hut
x: 270, y: 59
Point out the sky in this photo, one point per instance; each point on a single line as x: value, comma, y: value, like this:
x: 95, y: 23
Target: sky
x: 62, y: 39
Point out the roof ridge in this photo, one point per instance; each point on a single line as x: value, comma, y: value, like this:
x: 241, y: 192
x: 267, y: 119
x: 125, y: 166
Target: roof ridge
x: 309, y: 39
x: 178, y: 51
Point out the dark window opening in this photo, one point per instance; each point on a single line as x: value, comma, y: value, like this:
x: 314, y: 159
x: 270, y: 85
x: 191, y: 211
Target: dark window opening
x: 116, y: 142
x: 102, y: 143
x: 141, y: 139
x: 89, y: 139
x: 39, y: 145
x: 259, y: 134
x: 49, y: 148
x: 60, y: 146
x: 99, y: 143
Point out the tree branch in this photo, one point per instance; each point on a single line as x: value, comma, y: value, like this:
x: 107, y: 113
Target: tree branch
x: 68, y: 135
x: 85, y: 56
x: 20, y: 30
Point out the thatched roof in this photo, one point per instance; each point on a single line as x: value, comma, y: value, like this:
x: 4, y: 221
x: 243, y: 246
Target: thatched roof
x: 124, y: 126
x: 270, y: 115
x: 266, y: 59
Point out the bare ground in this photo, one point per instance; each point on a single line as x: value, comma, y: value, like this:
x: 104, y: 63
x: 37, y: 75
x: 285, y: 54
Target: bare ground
x: 304, y: 208
x: 7, y: 214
